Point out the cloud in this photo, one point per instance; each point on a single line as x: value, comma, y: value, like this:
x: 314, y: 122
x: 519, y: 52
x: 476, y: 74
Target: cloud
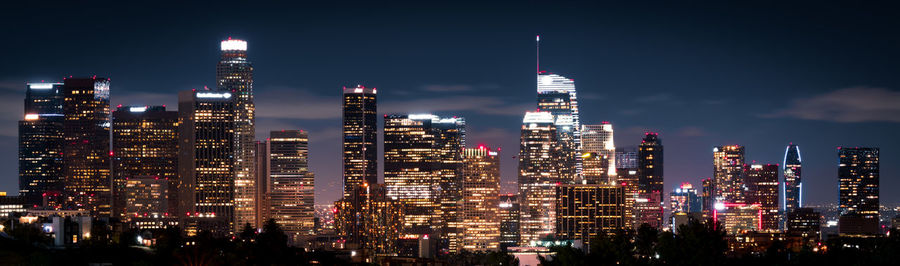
x: 447, y: 88
x: 692, y: 131
x: 477, y: 104
x: 849, y: 105
x: 655, y: 98
x: 10, y: 85
x: 591, y: 96
x: 170, y: 100
x: 293, y: 103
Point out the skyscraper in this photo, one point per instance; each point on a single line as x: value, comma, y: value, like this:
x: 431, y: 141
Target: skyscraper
x: 234, y: 74
x: 290, y: 194
x: 422, y: 164
x: 206, y: 154
x: 509, y: 220
x: 262, y: 181
x: 599, y: 139
x: 539, y: 165
x: 480, y: 222
x: 793, y: 186
x: 762, y: 188
x: 360, y: 137
x: 650, y: 180
x: 728, y: 163
x: 685, y: 199
x: 858, y: 176
x: 87, y: 151
x: 556, y: 95
x: 709, y: 198
x: 584, y: 211
x: 371, y: 219
x: 41, y: 143
x: 627, y: 174
x: 145, y: 144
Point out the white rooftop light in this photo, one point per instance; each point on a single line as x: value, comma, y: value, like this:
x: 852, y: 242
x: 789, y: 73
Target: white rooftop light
x: 234, y: 45
x: 538, y: 117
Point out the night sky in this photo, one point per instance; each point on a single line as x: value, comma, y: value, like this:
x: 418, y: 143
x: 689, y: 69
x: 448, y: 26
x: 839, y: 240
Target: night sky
x: 759, y: 74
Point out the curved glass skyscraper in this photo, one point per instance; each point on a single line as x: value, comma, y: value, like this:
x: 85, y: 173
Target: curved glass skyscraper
x: 792, y: 185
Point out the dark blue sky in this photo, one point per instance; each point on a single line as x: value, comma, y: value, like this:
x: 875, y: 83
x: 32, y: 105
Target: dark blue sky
x: 762, y: 74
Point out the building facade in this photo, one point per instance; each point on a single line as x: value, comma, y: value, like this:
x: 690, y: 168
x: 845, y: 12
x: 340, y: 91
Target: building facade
x: 508, y: 212
x: 206, y: 155
x: 41, y: 143
x: 728, y: 165
x: 762, y: 188
x: 290, y: 186
x: 650, y: 180
x: 234, y: 74
x: 793, y: 185
x: 360, y: 132
x: 145, y: 144
x: 87, y: 151
x: 539, y: 174
x: 586, y: 211
x: 599, y: 139
x: 480, y: 222
x: 858, y: 186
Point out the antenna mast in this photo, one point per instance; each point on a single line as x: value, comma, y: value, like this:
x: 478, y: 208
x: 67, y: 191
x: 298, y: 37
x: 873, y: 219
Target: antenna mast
x: 538, y: 66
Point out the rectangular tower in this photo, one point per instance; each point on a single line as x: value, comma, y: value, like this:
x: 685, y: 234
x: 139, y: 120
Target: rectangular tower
x: 206, y: 155
x: 650, y: 180
x: 858, y: 176
x: 480, y: 223
x: 539, y: 166
x: 728, y: 171
x: 234, y: 74
x: 145, y: 143
x: 762, y: 189
x: 586, y: 211
x: 290, y: 194
x: 41, y: 143
x: 360, y: 118
x: 791, y: 170
x: 87, y: 151
x: 509, y: 220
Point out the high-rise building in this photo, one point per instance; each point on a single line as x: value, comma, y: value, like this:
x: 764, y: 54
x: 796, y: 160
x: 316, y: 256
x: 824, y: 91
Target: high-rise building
x: 360, y: 137
x: 595, y: 169
x: 539, y: 174
x: 290, y: 194
x: 728, y: 165
x: 805, y: 222
x: 262, y: 182
x: 371, y: 219
x: 87, y: 144
x: 206, y: 155
x: 627, y: 174
x: 650, y: 181
x: 708, y: 195
x: 583, y: 212
x: 234, y: 74
x: 480, y: 223
x: 145, y: 143
x: 737, y: 218
x: 793, y: 186
x: 599, y: 139
x: 509, y: 220
x: 422, y: 164
x: 762, y: 188
x: 685, y: 199
x: 550, y: 88
x: 41, y: 143
x: 858, y: 176
x: 626, y: 158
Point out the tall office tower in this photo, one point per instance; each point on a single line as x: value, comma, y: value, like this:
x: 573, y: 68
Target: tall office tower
x: 422, y: 166
x: 481, y: 189
x: 262, y: 182
x: 558, y: 103
x: 206, y: 154
x: 145, y: 143
x: 650, y: 180
x: 41, y: 143
x: 858, y: 176
x: 627, y: 173
x: 762, y: 188
x: 551, y: 88
x: 685, y: 199
x: 728, y: 170
x: 290, y: 189
x: 371, y: 219
x: 509, y: 220
x: 737, y: 218
x: 599, y: 138
x: 360, y: 137
x: 793, y: 185
x: 234, y: 74
x: 805, y: 222
x: 583, y: 212
x: 87, y: 150
x: 709, y: 198
x: 539, y: 165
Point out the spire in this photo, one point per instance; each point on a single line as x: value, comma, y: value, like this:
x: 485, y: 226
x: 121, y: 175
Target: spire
x: 538, y: 65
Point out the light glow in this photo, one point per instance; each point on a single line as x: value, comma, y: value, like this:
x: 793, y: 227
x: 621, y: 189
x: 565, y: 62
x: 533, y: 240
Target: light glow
x: 31, y: 117
x: 41, y: 86
x: 140, y: 109
x: 234, y: 45
x: 213, y: 95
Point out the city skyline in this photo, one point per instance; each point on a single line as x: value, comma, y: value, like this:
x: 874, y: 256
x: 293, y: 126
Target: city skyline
x: 475, y: 94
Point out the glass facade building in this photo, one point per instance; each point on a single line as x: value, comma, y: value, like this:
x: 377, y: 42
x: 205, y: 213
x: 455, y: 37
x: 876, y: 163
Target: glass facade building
x: 290, y: 194
x: 360, y: 132
x: 762, y: 188
x: 87, y: 145
x: 480, y: 222
x: 41, y: 143
x: 539, y: 174
x: 793, y: 182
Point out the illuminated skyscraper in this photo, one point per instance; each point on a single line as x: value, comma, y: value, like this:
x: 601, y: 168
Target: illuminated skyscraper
x: 206, y: 154
x: 234, y: 74
x: 360, y: 137
x: 144, y: 196
x: 145, y: 144
x: 480, y: 222
x: 595, y: 169
x: 685, y: 199
x: 556, y: 95
x: 290, y: 194
x: 793, y: 186
x: 422, y: 164
x: 627, y: 174
x: 599, y: 139
x: 728, y: 164
x: 509, y: 220
x: 539, y: 166
x: 858, y: 173
x: 762, y: 188
x: 87, y: 150
x: 649, y: 204
x: 262, y: 182
x: 371, y: 219
x: 737, y: 218
x: 41, y: 143
x: 583, y: 212
x: 709, y: 198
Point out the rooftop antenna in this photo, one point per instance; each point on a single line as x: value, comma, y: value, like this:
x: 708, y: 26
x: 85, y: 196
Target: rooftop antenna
x: 538, y: 66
